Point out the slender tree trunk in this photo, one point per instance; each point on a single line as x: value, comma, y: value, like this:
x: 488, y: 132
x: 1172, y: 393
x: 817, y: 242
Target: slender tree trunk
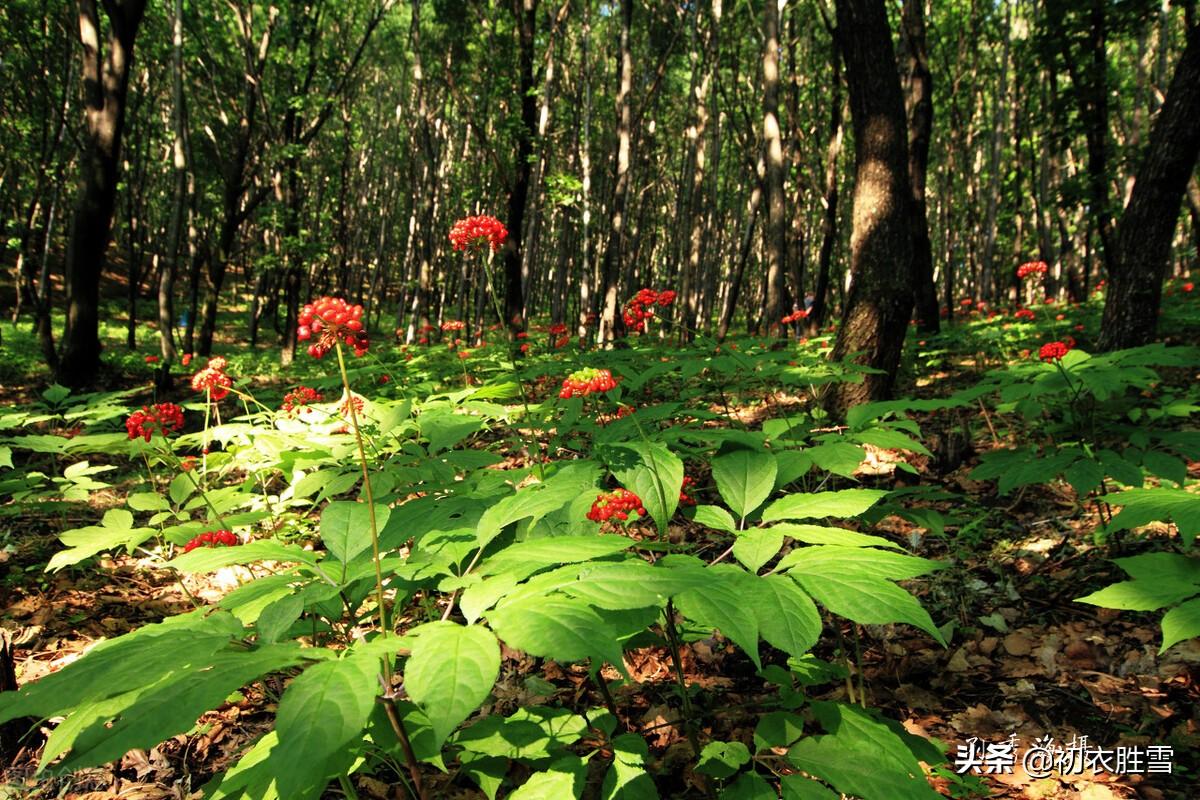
x: 166, y: 285
x: 736, y: 282
x: 1144, y: 235
x: 609, y: 288
x: 776, y: 230
x: 880, y: 299
x: 105, y: 85
x: 920, y: 126
x: 829, y: 226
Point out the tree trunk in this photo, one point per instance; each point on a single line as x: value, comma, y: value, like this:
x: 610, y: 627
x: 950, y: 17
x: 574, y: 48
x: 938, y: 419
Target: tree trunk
x: 166, y: 285
x: 920, y: 126
x: 829, y: 226
x: 776, y: 230
x: 514, y: 297
x: 105, y: 85
x: 1147, y: 226
x: 609, y: 288
x: 880, y: 298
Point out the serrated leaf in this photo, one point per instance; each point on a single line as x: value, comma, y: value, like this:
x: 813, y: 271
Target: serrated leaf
x: 723, y: 759
x: 861, y: 756
x: 627, y: 778
x: 798, y: 787
x: 96, y: 733
x: 1142, y: 506
x: 787, y: 617
x: 633, y: 584
x: 1141, y: 595
x: 842, y: 504
x: 823, y: 534
x: 721, y: 604
x: 207, y: 559
x: 657, y: 479
x: 745, y: 478
x: 715, y: 517
x: 560, y: 628
x: 277, y: 618
x: 860, y: 561
x: 1181, y: 622
x: 564, y: 779
x: 757, y: 546
x: 346, y: 528
x: 867, y: 600
x: 777, y: 729
x: 320, y: 720
x: 451, y: 672
x: 525, y: 558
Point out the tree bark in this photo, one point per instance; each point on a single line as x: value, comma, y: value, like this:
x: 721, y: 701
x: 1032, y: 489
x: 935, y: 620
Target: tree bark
x: 829, y: 226
x: 105, y: 88
x: 920, y: 127
x: 166, y: 285
x: 514, y: 297
x: 609, y: 288
x: 1146, y: 228
x: 880, y: 298
x: 776, y: 229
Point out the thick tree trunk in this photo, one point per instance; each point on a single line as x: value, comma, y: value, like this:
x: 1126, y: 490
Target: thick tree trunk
x: 514, y: 297
x: 105, y: 85
x: 776, y: 230
x: 880, y: 298
x: 1148, y: 224
x: 920, y: 127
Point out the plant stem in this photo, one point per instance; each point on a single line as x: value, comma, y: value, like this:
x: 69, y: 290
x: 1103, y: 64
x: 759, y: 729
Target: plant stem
x: 362, y: 460
x: 410, y: 758
x: 676, y: 645
x: 536, y: 450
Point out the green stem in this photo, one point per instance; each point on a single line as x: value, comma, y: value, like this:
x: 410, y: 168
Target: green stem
x: 535, y: 445
x: 362, y: 459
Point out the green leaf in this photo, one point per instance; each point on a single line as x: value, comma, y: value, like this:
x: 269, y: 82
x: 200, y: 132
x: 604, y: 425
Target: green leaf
x: 861, y: 756
x: 1181, y: 622
x: 756, y: 547
x: 745, y: 478
x: 1142, y: 506
x: 537, y: 500
x: 346, y: 528
x: 565, y: 778
x: 556, y: 627
x: 250, y: 777
x: 115, y: 530
x: 792, y: 464
x: 787, y: 617
x: 487, y: 771
x: 867, y: 600
x: 122, y: 664
x: 723, y: 759
x: 451, y: 672
x: 634, y: 584
x: 627, y: 778
x: 181, y: 488
x: 528, y: 734
x: 657, y: 480
x: 96, y: 733
x: 777, y: 729
x: 525, y: 558
x: 822, y: 534
x: 798, y: 787
x: 840, y: 458
x: 844, y: 503
x: 320, y: 720
x: 147, y: 501
x: 721, y: 604
x: 1142, y: 595
x: 891, y: 439
x: 278, y: 617
x: 748, y: 786
x: 1165, y: 465
x: 861, y: 561
x: 1084, y: 476
x: 715, y: 517
x: 207, y: 559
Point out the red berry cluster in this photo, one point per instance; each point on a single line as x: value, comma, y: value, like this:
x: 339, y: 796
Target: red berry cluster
x: 332, y: 319
x: 187, y: 359
x: 454, y: 325
x: 473, y: 233
x: 163, y: 418
x: 562, y: 342
x: 213, y: 380
x: 619, y: 503
x: 558, y: 329
x: 638, y: 310
x: 685, y: 491
x: 1054, y: 351
x: 1024, y: 313
x: 212, y: 539
x: 1031, y: 268
x: 344, y: 406
x: 151, y: 359
x: 583, y: 382
x: 795, y: 316
x: 299, y: 398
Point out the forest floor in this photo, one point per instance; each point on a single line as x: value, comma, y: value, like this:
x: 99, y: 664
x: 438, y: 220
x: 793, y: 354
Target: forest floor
x: 1024, y: 659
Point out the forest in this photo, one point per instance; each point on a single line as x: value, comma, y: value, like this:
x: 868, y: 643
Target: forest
x: 599, y: 399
